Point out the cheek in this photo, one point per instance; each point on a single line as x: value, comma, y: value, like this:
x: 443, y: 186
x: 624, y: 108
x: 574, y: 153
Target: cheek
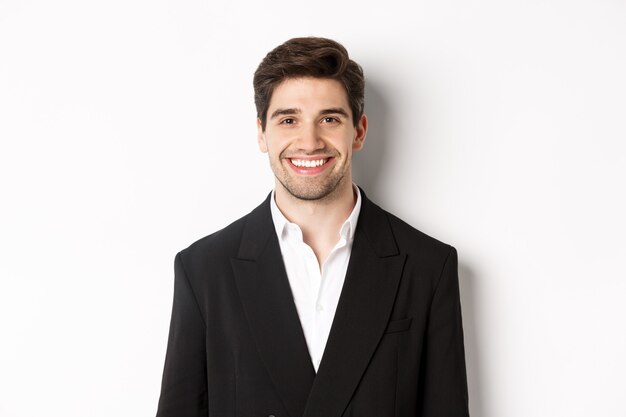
x: 276, y: 141
x: 348, y: 144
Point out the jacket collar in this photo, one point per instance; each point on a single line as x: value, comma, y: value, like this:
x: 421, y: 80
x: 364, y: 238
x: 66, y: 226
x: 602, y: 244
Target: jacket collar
x: 348, y: 228
x: 259, y: 225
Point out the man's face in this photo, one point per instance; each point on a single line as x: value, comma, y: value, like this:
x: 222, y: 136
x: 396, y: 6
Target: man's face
x: 309, y: 137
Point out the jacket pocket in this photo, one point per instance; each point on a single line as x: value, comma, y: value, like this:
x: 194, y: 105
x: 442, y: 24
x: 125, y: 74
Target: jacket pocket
x: 399, y: 325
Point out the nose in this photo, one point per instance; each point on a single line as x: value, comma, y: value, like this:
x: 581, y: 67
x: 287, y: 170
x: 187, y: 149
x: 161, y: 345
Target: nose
x: 309, y: 139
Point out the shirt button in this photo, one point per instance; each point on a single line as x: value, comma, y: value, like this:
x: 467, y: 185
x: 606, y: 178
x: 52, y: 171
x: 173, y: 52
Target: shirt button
x: 320, y: 307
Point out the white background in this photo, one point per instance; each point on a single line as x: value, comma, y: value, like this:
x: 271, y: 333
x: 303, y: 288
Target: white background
x: 128, y: 131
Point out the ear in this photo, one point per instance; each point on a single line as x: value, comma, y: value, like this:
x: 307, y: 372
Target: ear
x: 361, y: 132
x: 261, y: 136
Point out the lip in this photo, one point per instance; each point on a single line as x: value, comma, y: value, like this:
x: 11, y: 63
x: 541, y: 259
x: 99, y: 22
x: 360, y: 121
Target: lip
x: 310, y: 170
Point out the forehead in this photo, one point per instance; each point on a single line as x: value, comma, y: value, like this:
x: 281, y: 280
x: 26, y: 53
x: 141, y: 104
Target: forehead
x: 309, y: 93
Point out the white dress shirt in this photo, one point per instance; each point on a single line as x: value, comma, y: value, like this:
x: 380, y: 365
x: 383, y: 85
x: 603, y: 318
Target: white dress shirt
x: 315, y: 290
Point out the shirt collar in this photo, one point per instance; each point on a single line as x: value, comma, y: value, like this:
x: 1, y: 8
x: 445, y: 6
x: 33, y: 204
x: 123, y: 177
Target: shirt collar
x: 347, y: 230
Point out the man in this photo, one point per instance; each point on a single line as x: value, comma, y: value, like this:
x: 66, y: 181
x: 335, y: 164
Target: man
x: 318, y: 302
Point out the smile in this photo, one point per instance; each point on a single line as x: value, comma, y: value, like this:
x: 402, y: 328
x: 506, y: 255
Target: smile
x: 306, y: 163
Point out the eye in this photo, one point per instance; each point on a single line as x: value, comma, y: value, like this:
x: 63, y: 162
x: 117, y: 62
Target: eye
x: 288, y: 121
x: 330, y: 119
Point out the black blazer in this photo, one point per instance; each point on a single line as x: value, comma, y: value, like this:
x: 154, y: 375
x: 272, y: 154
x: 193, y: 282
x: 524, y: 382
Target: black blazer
x: 236, y: 347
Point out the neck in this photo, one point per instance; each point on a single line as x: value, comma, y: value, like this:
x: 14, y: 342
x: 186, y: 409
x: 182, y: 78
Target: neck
x: 320, y: 220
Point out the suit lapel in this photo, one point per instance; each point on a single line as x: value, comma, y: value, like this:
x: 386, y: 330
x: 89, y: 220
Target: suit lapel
x: 272, y: 316
x: 362, y: 314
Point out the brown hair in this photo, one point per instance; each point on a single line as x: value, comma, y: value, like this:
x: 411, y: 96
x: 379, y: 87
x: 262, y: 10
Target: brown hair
x: 308, y: 57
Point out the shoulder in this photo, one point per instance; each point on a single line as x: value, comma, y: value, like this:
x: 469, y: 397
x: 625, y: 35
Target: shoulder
x: 418, y: 245
x: 225, y: 243
x: 223, y: 240
x: 427, y: 258
x: 409, y: 237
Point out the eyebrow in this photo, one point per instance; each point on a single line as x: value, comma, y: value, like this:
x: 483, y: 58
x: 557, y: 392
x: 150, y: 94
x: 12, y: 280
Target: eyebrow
x: 335, y: 110
x: 285, y: 112
x: 292, y: 111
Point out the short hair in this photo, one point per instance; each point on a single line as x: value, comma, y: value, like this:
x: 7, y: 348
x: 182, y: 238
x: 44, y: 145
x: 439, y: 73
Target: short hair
x: 308, y: 57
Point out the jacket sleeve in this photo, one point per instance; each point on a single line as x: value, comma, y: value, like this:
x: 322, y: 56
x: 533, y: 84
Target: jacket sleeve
x: 444, y: 377
x: 184, y: 385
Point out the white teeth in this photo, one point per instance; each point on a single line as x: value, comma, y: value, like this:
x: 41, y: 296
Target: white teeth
x: 308, y: 163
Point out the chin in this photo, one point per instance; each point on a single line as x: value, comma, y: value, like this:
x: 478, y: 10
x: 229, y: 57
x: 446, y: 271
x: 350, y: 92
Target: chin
x: 313, y: 193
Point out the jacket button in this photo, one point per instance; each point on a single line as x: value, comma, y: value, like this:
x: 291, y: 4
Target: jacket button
x: 271, y: 415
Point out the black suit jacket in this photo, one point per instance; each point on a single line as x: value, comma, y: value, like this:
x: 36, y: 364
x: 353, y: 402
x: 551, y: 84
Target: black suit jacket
x: 236, y: 347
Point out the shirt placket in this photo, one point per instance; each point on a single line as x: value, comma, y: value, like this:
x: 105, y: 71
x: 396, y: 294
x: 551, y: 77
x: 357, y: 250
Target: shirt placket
x: 314, y: 281
x: 322, y: 302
